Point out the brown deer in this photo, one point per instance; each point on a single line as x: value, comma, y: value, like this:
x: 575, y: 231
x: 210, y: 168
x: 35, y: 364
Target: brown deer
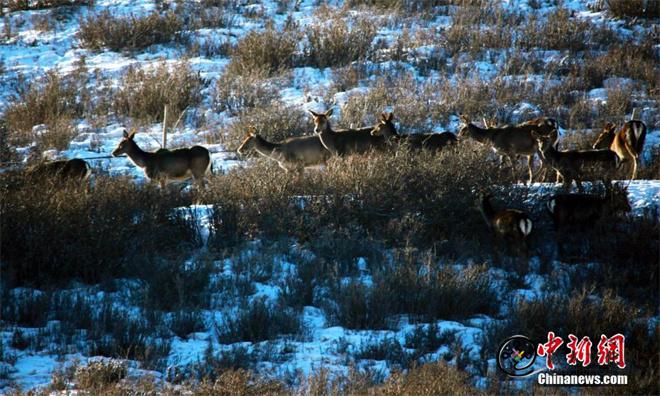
x: 584, y: 210
x: 627, y: 143
x: 291, y: 154
x: 430, y: 141
x: 577, y: 164
x: 509, y: 226
x: 165, y: 165
x: 72, y: 169
x: 509, y: 141
x: 346, y: 142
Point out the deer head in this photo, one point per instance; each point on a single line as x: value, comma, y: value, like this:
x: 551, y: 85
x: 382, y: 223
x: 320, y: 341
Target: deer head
x: 125, y: 144
x: 385, y: 126
x: 247, y: 142
x: 321, y: 121
x: 606, y: 137
x: 464, y: 126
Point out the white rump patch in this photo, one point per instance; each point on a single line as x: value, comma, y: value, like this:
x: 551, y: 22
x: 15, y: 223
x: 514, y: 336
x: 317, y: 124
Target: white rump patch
x: 525, y: 226
x: 551, y: 205
x: 637, y: 129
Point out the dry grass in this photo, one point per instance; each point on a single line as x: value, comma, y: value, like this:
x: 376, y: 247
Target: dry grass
x: 103, y: 30
x: 145, y: 92
x: 634, y: 8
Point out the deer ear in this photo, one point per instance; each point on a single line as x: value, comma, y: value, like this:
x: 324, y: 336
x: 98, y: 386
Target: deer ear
x: 314, y: 113
x: 465, y: 119
x: 131, y: 135
x: 390, y: 116
x: 329, y: 112
x: 383, y: 116
x: 125, y: 134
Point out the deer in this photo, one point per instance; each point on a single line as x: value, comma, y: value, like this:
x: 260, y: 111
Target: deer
x: 573, y: 165
x: 509, y: 141
x: 627, y: 142
x: 75, y: 169
x: 166, y: 165
x: 430, y: 141
x: 294, y: 153
x: 346, y: 142
x: 509, y: 226
x: 584, y: 210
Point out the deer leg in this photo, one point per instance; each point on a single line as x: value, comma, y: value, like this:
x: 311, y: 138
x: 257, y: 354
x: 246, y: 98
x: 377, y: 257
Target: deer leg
x: 530, y: 159
x: 634, y: 166
x: 162, y: 184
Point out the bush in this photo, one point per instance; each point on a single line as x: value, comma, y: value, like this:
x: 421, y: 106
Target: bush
x: 99, y: 375
x: 53, y: 234
x: 53, y: 101
x: 24, y: 5
x: 269, y: 50
x: 238, y: 93
x: 127, y: 32
x: 144, y: 93
x: 634, y: 8
x: 259, y: 321
x: 338, y: 42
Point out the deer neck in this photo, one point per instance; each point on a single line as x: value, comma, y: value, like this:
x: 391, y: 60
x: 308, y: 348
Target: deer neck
x: 266, y: 148
x: 138, y: 156
x: 479, y: 134
x: 550, y: 153
x: 327, y: 137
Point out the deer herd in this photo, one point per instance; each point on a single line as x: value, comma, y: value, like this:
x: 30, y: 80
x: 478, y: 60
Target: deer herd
x: 539, y: 136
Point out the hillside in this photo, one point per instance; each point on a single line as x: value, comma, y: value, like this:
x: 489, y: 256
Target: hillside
x: 372, y: 273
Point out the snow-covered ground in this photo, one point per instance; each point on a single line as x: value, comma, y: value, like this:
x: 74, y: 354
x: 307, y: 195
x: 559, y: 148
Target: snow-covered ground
x: 32, y: 53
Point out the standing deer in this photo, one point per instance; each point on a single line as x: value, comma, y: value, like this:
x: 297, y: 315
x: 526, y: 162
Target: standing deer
x: 584, y: 210
x: 165, y: 165
x: 509, y: 141
x: 291, y: 154
x: 430, y: 141
x: 627, y: 143
x: 352, y: 141
x: 511, y: 226
x: 72, y: 169
x: 577, y: 164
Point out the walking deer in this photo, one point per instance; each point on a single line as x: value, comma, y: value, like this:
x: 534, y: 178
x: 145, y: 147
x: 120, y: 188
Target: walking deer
x: 430, y: 141
x: 510, y: 141
x: 627, y: 143
x: 578, y: 164
x: 72, y: 169
x: 347, y: 142
x: 291, y: 154
x: 165, y: 165
x: 509, y: 226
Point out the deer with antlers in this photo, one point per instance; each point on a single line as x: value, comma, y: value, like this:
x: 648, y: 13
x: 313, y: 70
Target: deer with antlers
x: 293, y: 154
x: 166, y: 165
x: 345, y: 142
x: 627, y: 142
x: 576, y: 165
x: 430, y: 141
x: 511, y: 141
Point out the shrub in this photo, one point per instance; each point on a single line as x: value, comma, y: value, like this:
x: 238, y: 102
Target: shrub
x: 53, y: 234
x: 127, y: 32
x: 360, y: 307
x: 338, y: 42
x: 99, y: 374
x: 269, y: 50
x: 144, y: 93
x: 237, y: 93
x: 53, y: 101
x: 259, y: 321
x: 634, y: 8
x: 24, y: 5
x: 429, y: 379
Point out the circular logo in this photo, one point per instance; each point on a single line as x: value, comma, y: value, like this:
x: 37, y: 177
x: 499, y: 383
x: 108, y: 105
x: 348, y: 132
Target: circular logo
x: 516, y: 356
